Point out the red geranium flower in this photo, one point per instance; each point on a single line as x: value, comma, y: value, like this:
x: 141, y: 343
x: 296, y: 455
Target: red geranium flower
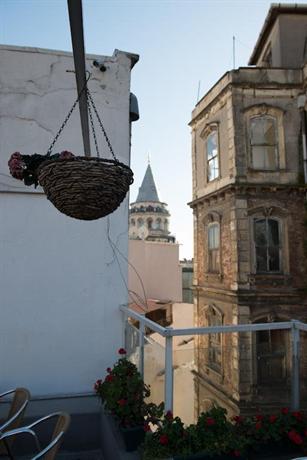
x: 97, y: 384
x: 237, y: 419
x: 122, y: 402
x: 122, y: 351
x: 285, y: 410
x: 169, y: 415
x: 147, y: 427
x: 109, y: 378
x: 259, y: 417
x: 258, y: 425
x: 273, y: 418
x: 210, y: 421
x: 236, y: 453
x: 109, y: 369
x: 163, y: 439
x: 298, y: 415
x: 295, y: 437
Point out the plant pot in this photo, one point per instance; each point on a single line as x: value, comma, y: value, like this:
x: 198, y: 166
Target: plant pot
x: 204, y: 456
x: 274, y: 449
x: 132, y: 437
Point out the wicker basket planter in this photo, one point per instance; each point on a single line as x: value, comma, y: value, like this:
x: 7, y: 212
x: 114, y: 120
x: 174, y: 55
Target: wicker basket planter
x: 85, y: 188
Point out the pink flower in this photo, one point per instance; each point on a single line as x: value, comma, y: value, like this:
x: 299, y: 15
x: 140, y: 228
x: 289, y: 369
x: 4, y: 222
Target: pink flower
x: 66, y: 155
x: 163, y: 439
x: 122, y: 402
x: 210, y: 421
x: 109, y: 370
x: 122, y: 351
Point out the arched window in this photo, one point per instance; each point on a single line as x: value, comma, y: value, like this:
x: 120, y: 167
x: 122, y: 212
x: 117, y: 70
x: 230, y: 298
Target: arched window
x: 214, y: 247
x: 166, y: 225
x: 267, y: 245
x: 140, y: 222
x: 212, y: 155
x: 158, y: 223
x: 132, y: 222
x: 263, y: 142
x: 149, y: 223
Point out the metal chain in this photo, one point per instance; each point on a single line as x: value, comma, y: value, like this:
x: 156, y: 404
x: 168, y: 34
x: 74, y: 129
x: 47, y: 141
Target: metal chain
x: 67, y: 118
x: 92, y: 124
x: 90, y: 99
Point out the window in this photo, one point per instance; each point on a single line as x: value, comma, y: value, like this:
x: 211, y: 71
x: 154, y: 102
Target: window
x: 267, y: 241
x: 133, y: 222
x: 212, y: 156
x: 149, y: 223
x: 140, y: 223
x: 158, y: 223
x: 214, y: 248
x: 214, y: 340
x: 263, y: 142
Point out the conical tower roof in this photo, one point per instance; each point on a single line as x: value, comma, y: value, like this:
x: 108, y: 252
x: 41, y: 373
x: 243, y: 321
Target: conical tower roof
x: 148, y: 190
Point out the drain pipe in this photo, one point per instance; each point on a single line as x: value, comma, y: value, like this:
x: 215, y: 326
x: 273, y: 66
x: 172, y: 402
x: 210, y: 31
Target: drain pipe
x: 301, y: 100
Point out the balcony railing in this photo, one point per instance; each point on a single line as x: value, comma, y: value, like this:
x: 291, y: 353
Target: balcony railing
x: 140, y: 325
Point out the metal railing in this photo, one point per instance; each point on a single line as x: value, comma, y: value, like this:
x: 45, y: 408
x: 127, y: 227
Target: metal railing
x: 293, y: 326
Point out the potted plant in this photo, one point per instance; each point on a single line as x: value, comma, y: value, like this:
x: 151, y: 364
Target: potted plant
x: 123, y: 393
x: 211, y: 438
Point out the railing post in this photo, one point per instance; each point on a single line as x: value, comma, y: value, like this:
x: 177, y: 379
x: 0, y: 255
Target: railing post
x: 124, y: 329
x: 168, y: 383
x: 141, y: 342
x: 295, y: 368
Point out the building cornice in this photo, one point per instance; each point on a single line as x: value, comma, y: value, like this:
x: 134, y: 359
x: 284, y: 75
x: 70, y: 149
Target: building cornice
x: 245, y: 189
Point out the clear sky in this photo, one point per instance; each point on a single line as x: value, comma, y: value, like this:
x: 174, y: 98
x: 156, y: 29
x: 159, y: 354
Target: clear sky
x: 180, y: 43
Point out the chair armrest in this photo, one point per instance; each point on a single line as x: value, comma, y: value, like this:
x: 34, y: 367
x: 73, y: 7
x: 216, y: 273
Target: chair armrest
x: 15, y: 416
x: 7, y: 393
x: 43, y: 419
x: 19, y: 431
x: 49, y: 447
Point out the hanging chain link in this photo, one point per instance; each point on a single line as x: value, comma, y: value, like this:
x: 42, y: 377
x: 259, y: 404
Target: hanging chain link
x: 90, y: 99
x: 90, y: 105
x: 67, y: 117
x: 92, y: 123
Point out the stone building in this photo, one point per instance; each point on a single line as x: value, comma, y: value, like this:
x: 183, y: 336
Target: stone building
x: 249, y: 159
x: 149, y: 217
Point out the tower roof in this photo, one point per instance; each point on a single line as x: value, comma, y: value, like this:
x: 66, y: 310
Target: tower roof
x: 148, y: 190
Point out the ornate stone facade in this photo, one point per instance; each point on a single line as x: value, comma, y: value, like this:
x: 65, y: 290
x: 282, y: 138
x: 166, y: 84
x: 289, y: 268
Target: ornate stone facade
x: 250, y: 234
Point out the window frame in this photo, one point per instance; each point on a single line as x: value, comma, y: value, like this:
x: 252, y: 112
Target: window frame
x: 210, y: 250
x: 214, y: 338
x: 276, y: 113
x: 267, y: 246
x: 264, y: 144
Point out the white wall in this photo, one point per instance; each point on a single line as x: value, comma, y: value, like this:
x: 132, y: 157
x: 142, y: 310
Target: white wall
x: 158, y: 266
x: 60, y: 286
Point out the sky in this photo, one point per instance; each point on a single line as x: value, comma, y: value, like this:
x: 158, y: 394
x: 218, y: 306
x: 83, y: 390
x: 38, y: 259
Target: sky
x: 185, y: 46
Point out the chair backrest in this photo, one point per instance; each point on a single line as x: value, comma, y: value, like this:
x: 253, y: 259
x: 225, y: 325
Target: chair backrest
x: 18, y: 405
x: 50, y: 451
x: 21, y: 397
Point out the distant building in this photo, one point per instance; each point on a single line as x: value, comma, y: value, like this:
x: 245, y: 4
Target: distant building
x: 149, y: 217
x: 249, y: 187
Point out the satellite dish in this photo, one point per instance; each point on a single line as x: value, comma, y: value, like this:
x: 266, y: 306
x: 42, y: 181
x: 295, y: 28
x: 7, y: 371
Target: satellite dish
x: 143, y: 232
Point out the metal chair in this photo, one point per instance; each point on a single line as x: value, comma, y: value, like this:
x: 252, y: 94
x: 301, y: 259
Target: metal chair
x: 49, y: 452
x: 18, y: 404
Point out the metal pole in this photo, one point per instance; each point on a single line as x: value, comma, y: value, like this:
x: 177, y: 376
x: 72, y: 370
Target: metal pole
x: 142, y: 341
x: 295, y: 374
x: 77, y: 39
x: 168, y: 384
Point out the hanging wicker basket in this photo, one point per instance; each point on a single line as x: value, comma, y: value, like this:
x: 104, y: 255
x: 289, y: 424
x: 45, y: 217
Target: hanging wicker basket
x: 85, y: 188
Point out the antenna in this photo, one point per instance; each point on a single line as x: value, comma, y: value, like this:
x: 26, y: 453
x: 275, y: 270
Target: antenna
x: 234, y: 51
x: 198, y: 91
